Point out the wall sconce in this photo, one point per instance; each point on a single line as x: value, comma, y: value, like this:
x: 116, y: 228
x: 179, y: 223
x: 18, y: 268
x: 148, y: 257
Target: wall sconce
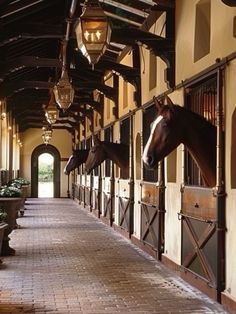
x: 3, y: 115
x: 51, y: 111
x: 19, y: 142
x: 93, y: 31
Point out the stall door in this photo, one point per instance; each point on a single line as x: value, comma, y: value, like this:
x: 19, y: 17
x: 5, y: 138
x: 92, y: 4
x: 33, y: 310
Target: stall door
x: 200, y: 240
x: 125, y: 211
x: 152, y: 197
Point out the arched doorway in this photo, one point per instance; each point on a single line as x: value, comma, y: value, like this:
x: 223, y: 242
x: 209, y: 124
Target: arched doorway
x: 41, y: 149
x: 45, y: 175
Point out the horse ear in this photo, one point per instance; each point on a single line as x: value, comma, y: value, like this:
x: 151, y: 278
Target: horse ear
x: 96, y: 140
x: 168, y: 100
x: 158, y: 103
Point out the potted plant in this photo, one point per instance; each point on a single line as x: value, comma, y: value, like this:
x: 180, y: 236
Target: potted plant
x: 22, y: 184
x: 10, y: 202
x: 3, y: 226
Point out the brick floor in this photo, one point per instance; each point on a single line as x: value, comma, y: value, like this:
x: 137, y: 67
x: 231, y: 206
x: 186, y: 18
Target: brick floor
x: 67, y: 261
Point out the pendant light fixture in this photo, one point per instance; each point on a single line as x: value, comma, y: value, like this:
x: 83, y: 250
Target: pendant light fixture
x: 47, y: 133
x: 63, y: 90
x: 93, y: 31
x: 51, y: 111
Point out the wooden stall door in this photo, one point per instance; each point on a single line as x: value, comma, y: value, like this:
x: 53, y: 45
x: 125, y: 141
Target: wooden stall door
x: 152, y: 218
x: 200, y: 245
x: 108, y: 184
x: 152, y: 198
x: 125, y: 208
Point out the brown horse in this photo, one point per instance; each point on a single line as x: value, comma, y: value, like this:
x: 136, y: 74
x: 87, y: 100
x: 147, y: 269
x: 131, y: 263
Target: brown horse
x: 175, y: 125
x: 118, y: 153
x: 78, y: 157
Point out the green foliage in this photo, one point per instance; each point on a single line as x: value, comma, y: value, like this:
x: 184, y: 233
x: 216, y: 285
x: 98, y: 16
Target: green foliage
x: 3, y: 215
x: 10, y: 191
x: 18, y: 182
x: 45, y: 173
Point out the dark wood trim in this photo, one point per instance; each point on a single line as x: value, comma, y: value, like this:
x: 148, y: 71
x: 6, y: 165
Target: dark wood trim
x: 228, y: 303
x: 144, y: 247
x: 191, y: 278
x: 34, y: 168
x: 121, y: 230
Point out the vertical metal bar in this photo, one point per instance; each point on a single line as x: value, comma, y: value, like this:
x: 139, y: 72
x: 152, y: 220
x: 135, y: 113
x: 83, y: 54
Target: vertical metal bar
x: 68, y: 186
x: 220, y: 190
x: 112, y: 184
x: 131, y: 180
x: 161, y: 208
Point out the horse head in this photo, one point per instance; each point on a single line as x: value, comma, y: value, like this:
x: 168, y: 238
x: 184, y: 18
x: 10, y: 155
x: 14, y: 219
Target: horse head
x: 78, y: 157
x: 164, y: 136
x: 96, y: 155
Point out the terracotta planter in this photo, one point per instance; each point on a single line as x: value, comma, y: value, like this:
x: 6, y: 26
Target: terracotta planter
x: 25, y: 189
x: 3, y: 226
x: 11, y: 205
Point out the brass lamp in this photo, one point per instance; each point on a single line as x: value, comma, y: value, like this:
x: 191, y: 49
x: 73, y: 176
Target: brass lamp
x: 51, y: 111
x: 63, y: 91
x: 93, y: 31
x: 47, y: 134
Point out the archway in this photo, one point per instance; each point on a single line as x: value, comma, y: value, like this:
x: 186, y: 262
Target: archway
x: 41, y: 149
x: 45, y: 175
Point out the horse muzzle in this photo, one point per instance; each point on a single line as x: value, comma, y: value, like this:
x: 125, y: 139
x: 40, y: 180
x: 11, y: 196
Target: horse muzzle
x: 149, y: 161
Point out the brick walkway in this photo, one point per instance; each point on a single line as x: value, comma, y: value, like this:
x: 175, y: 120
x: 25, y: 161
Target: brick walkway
x: 67, y: 261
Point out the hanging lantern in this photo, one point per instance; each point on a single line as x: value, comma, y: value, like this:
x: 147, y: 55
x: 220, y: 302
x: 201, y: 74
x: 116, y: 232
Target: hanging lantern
x: 63, y: 91
x: 93, y: 31
x: 51, y: 111
x: 47, y: 134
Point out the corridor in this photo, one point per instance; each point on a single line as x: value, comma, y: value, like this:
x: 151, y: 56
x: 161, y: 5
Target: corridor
x: 67, y: 261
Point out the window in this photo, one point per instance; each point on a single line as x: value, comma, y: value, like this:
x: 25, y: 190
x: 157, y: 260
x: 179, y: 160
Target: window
x: 201, y: 98
x: 152, y: 71
x: 202, y: 29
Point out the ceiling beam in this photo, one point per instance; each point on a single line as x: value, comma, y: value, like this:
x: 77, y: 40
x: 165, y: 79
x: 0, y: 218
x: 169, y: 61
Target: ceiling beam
x: 27, y: 61
x: 9, y: 88
x: 125, y: 7
x: 31, y: 31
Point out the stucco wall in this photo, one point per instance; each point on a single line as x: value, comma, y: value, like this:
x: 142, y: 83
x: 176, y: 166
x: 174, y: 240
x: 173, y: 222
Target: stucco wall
x: 31, y: 138
x: 222, y: 42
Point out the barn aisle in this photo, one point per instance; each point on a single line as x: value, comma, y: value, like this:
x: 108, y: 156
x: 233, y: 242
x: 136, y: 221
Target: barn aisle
x: 67, y: 261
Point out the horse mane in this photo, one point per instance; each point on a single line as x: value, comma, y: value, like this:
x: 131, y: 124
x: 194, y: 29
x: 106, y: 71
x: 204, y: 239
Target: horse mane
x: 122, y: 149
x: 177, y: 109
x: 201, y: 119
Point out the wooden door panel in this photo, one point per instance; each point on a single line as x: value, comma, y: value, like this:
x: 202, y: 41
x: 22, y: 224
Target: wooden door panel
x: 199, y: 237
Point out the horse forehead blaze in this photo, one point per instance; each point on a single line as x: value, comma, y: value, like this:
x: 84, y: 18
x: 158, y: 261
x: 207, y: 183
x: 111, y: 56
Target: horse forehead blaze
x: 155, y: 123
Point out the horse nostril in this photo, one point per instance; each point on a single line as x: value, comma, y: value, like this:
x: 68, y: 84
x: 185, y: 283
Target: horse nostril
x: 148, y: 160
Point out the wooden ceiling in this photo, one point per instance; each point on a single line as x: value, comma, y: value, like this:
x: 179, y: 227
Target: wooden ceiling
x: 31, y: 35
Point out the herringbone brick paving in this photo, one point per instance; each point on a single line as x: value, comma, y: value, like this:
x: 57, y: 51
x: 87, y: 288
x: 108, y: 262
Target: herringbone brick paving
x: 67, y: 261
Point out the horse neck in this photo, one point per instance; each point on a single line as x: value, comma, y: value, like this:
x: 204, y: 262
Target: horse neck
x: 84, y: 155
x: 200, y: 139
x: 118, y: 153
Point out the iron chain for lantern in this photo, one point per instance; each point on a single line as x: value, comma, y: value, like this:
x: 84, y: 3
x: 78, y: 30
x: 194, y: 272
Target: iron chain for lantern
x: 51, y: 111
x: 93, y: 31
